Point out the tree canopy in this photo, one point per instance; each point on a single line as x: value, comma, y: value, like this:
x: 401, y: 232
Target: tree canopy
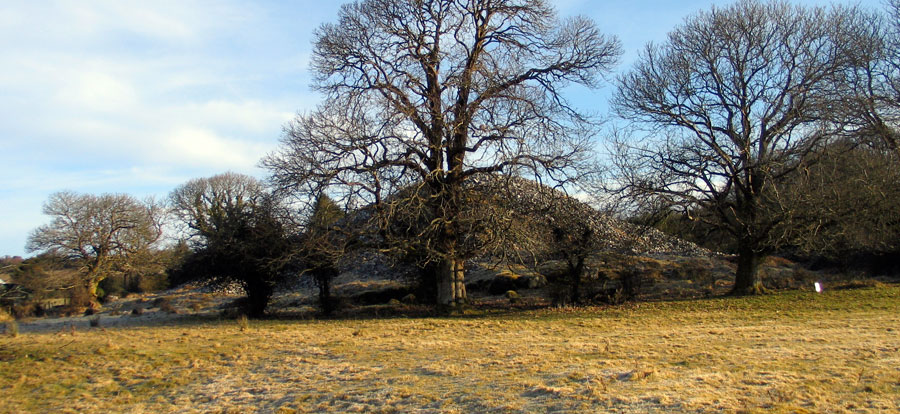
x: 240, y: 232
x: 100, y: 233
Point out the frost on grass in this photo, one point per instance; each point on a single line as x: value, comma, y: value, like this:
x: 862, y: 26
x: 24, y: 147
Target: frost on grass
x: 795, y: 352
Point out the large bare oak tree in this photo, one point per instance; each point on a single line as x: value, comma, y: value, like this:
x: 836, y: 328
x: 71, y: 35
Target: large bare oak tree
x: 426, y: 94
x: 100, y: 233
x: 730, y: 104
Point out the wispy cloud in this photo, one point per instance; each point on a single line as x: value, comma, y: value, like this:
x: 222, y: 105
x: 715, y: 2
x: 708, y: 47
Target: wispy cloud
x: 132, y: 96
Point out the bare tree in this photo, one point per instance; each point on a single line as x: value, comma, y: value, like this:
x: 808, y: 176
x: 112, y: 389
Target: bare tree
x: 101, y: 233
x: 870, y: 102
x: 733, y: 102
x: 850, y: 204
x: 239, y: 232
x: 432, y: 93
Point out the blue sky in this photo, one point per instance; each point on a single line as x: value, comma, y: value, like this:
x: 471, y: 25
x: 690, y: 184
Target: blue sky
x: 103, y: 96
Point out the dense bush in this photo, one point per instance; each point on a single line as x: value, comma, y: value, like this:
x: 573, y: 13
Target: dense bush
x: 242, y: 233
x: 79, y: 298
x: 28, y: 309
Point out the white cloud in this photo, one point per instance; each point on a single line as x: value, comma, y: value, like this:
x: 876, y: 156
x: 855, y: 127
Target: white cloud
x: 99, y: 92
x: 193, y: 146
x: 250, y: 116
x: 91, y: 21
x: 92, y: 106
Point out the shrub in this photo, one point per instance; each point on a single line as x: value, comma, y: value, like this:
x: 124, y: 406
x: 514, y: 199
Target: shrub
x: 28, y: 309
x: 162, y: 303
x: 803, y: 277
x: 112, y: 286
x: 148, y: 283
x: 95, y: 321
x: 167, y: 307
x: 696, y: 270
x: 611, y: 293
x: 778, y: 278
x: 559, y: 293
x: 632, y: 282
x: 568, y: 289
x: 12, y: 328
x: 377, y: 297
x: 503, y: 282
x: 79, y: 298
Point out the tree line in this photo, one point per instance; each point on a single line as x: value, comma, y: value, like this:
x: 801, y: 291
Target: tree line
x: 771, y: 126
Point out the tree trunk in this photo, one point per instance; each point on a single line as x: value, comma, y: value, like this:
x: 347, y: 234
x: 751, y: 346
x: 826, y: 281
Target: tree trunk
x: 258, y: 295
x: 575, y: 275
x: 451, y: 287
x: 747, y: 281
x: 325, y: 300
x: 91, y: 287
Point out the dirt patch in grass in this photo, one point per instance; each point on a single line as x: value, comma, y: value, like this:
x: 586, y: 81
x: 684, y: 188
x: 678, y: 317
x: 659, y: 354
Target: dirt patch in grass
x: 790, y: 352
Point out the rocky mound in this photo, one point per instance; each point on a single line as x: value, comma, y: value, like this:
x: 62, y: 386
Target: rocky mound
x: 542, y: 205
x: 536, y: 207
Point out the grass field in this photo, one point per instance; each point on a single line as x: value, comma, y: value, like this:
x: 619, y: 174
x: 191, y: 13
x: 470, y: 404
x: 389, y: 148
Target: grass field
x: 791, y: 352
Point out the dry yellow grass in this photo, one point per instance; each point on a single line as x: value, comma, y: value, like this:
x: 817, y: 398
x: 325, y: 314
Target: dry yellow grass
x: 793, y: 352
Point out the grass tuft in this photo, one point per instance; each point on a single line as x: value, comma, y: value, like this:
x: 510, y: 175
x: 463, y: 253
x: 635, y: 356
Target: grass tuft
x: 243, y: 323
